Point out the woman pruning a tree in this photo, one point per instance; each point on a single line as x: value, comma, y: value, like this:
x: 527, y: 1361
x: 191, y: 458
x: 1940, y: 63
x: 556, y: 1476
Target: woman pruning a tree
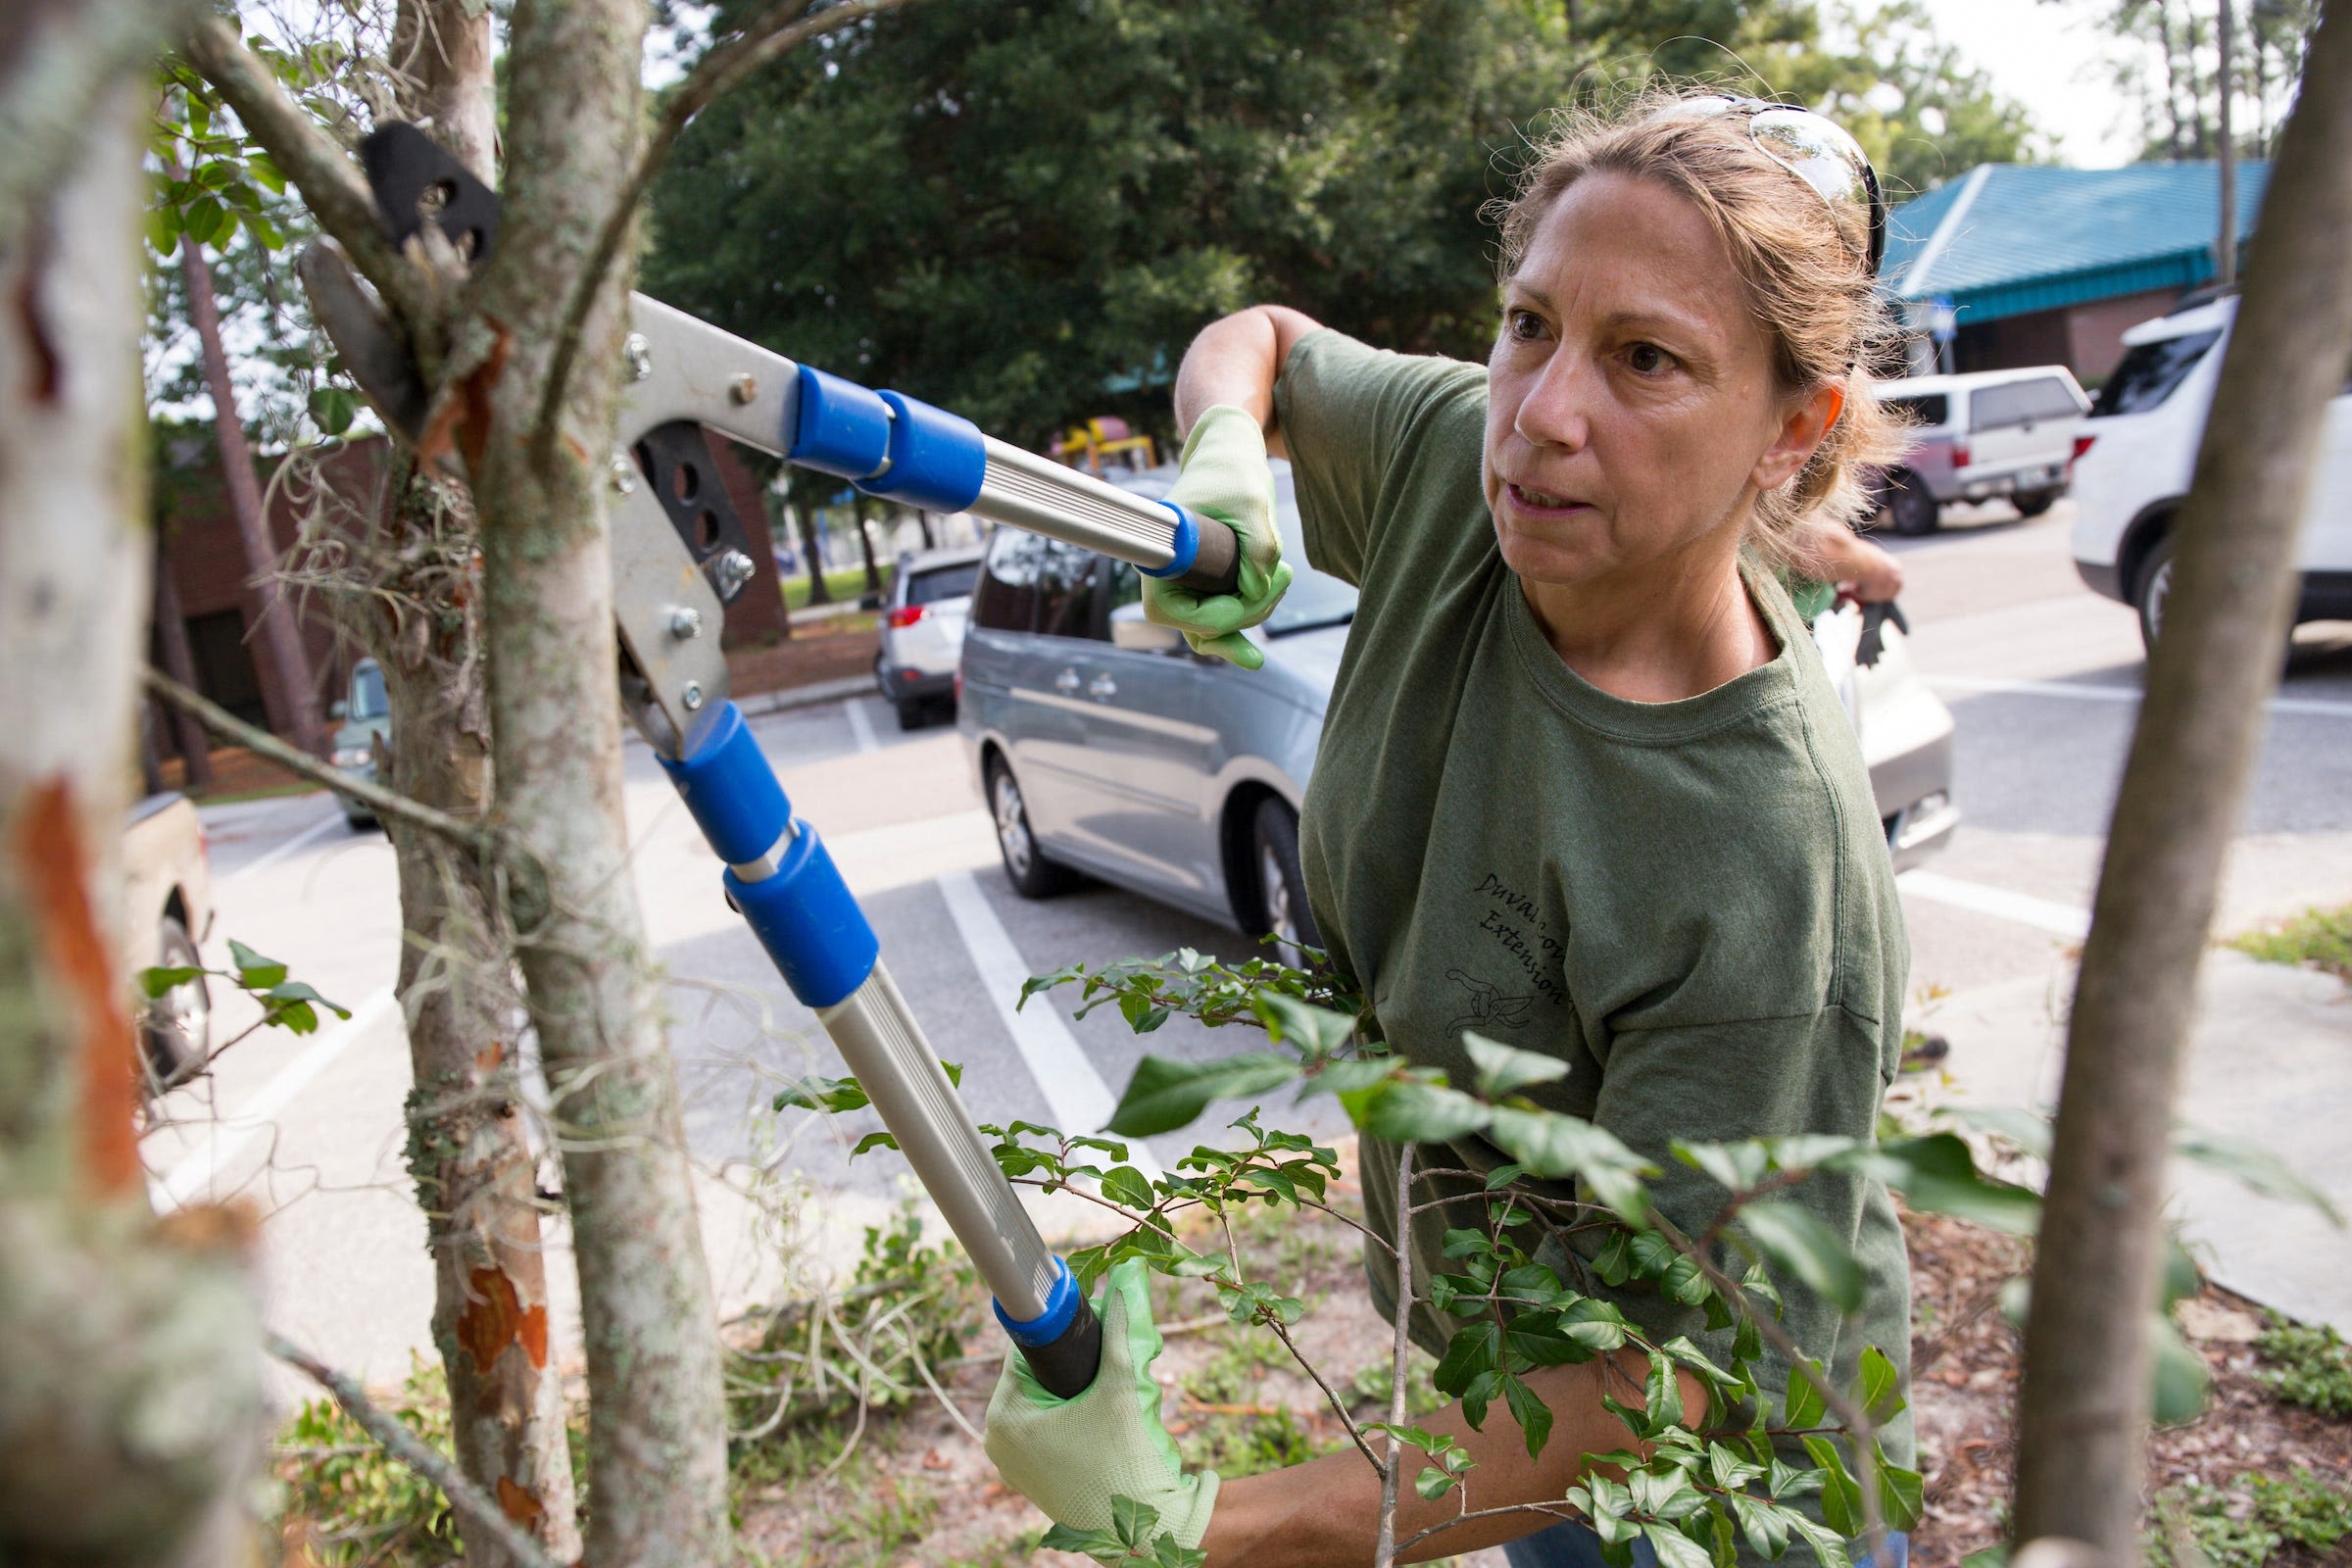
x: 1579, y: 758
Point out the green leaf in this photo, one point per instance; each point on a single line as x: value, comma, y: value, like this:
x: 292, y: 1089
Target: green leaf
x: 1735, y: 1167
x: 1994, y: 1556
x: 2254, y: 1167
x: 1503, y: 1070
x: 1164, y: 1095
x: 1840, y: 1496
x: 255, y: 972
x: 1902, y: 1495
x: 1766, y: 1531
x: 871, y: 1142
x: 2029, y: 1130
x: 2181, y: 1374
x: 1614, y: 1262
x: 1795, y: 1238
x: 295, y: 1018
x: 1504, y: 1175
x: 1552, y: 1145
x: 1937, y: 1174
x: 1471, y: 1352
x: 1345, y: 1076
x: 265, y: 173
x: 1100, y: 1545
x: 1411, y: 1111
x: 1829, y: 1546
x: 1879, y: 1389
x: 1433, y: 1482
x: 205, y: 219
x: 1126, y: 1186
x: 1133, y: 1521
x: 1662, y: 1394
x: 156, y: 981
x: 1802, y: 1406
x: 296, y: 991
x: 1674, y: 1548
x: 266, y: 234
x: 1315, y: 1032
x: 1531, y: 1412
x: 830, y: 1095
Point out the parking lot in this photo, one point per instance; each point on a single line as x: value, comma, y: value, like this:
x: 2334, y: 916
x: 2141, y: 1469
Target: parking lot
x: 2042, y: 678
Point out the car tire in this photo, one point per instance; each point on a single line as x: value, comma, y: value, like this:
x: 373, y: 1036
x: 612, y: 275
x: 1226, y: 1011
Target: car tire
x: 2033, y: 503
x: 2153, y: 587
x: 1911, y: 505
x: 1282, y: 908
x: 910, y: 712
x: 1026, y: 867
x: 176, y: 1032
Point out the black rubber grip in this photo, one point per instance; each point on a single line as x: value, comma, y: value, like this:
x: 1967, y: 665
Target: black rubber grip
x: 1218, y: 564
x: 1066, y: 1367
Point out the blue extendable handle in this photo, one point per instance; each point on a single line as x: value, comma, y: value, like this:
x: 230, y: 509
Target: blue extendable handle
x: 887, y: 444
x: 779, y: 872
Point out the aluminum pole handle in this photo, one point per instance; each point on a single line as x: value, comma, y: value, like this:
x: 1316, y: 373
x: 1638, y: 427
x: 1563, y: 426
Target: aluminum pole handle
x: 783, y: 881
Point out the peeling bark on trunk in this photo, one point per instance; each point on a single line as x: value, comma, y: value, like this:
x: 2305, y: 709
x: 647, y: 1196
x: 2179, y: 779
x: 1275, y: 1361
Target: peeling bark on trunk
x: 130, y: 1380
x: 2085, y: 1407
x: 298, y: 689
x: 468, y: 1151
x: 656, y: 1425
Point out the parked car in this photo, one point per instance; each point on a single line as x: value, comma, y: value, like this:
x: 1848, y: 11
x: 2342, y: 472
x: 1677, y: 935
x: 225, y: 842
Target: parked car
x: 360, y: 715
x: 1978, y: 436
x: 922, y: 630
x: 1105, y: 746
x: 2138, y: 449
x: 168, y: 905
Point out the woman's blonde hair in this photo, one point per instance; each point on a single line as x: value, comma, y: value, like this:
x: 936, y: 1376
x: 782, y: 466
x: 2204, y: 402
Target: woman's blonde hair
x: 1805, y: 268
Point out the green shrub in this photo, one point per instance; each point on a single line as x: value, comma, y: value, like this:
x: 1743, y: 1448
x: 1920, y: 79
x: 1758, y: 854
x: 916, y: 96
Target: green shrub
x: 361, y: 1504
x: 2243, y: 1525
x: 2309, y: 1365
x: 2320, y: 937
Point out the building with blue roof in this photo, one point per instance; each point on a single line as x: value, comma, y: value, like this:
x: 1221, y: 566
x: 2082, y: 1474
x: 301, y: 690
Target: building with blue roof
x: 2049, y: 265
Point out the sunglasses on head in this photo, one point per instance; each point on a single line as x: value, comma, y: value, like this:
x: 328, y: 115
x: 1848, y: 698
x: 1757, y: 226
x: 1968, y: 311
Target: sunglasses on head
x: 1815, y: 149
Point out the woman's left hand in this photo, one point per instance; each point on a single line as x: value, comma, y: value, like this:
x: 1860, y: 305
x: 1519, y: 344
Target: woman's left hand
x: 1071, y: 1456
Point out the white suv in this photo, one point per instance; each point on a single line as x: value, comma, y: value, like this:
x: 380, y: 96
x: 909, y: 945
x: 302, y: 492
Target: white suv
x: 1978, y: 436
x: 2138, y: 449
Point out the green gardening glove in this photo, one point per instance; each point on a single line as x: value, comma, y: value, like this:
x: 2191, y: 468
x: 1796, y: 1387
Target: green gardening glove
x: 1224, y: 477
x: 1071, y: 1456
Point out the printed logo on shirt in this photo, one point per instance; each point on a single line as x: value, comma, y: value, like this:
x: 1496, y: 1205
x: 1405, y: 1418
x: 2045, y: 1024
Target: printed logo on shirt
x: 1486, y: 1008
x: 1513, y: 921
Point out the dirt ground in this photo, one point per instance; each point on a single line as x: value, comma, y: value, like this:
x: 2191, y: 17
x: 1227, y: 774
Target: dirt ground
x: 915, y: 1490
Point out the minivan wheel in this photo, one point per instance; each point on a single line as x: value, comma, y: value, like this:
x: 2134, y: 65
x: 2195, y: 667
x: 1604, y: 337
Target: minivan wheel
x: 2033, y: 503
x: 176, y: 1029
x: 2154, y: 587
x: 1912, y: 507
x: 1026, y: 867
x: 1281, y: 884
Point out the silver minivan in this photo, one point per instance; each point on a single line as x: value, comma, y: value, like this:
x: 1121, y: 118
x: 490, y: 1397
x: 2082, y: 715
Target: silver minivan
x: 2008, y: 434
x: 1105, y: 746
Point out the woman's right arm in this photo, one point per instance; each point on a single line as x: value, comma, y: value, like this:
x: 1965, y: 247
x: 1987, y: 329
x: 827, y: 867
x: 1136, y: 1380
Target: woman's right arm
x: 1236, y: 359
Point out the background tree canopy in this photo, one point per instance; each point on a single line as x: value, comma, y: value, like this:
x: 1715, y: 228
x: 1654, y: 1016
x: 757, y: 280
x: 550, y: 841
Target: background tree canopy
x: 1022, y: 210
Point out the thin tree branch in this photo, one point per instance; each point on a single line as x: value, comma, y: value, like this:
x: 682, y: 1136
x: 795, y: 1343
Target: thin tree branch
x: 377, y: 798
x: 776, y: 33
x: 409, y: 1449
x: 330, y: 183
x: 1383, y: 1554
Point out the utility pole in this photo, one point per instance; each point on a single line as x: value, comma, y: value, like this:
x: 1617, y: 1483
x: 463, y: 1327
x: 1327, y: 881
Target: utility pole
x: 2225, y: 249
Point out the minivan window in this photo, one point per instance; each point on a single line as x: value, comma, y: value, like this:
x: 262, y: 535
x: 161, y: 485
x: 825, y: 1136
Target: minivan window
x: 367, y: 694
x: 1005, y: 597
x: 1926, y: 411
x: 2149, y: 371
x: 942, y: 582
x: 2012, y: 403
x: 1065, y: 591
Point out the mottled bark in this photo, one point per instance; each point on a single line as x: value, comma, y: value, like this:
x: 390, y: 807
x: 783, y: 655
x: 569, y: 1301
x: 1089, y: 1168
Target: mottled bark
x: 657, y: 1424
x: 2084, y: 1409
x: 468, y: 1151
x: 820, y: 592
x: 866, y: 544
x: 288, y: 668
x: 130, y: 1380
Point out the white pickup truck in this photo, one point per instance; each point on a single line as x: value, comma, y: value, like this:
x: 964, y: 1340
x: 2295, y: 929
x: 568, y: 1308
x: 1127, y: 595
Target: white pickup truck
x: 167, y: 906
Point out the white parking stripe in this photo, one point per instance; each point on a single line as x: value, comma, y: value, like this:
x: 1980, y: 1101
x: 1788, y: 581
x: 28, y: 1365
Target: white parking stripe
x: 1080, y: 1100
x: 231, y: 1136
x: 860, y: 728
x: 2043, y: 914
x: 288, y: 847
x: 2084, y: 692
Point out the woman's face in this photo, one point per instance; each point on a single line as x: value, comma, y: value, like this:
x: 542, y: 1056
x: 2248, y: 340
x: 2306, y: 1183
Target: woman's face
x: 1631, y: 415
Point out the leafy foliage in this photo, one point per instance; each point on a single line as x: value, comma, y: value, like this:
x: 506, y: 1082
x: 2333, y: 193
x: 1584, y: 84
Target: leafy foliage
x: 2322, y: 938
x: 359, y: 1503
x: 2308, y: 1365
x: 286, y: 1004
x: 2242, y: 1526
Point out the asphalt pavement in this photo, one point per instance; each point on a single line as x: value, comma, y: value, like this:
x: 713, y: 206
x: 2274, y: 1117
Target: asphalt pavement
x: 2041, y: 676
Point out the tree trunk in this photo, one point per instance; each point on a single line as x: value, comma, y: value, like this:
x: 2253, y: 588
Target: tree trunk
x: 281, y: 639
x: 468, y: 1150
x: 866, y: 545
x: 812, y: 544
x: 2203, y: 143
x: 180, y: 663
x: 130, y: 1411
x: 656, y: 1425
x: 2224, y: 255
x: 2083, y: 1413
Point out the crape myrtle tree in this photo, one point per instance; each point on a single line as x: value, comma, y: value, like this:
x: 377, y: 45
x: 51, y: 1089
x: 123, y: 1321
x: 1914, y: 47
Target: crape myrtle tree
x: 130, y: 1408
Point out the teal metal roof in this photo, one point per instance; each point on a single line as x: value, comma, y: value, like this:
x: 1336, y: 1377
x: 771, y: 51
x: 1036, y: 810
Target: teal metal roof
x: 2008, y: 238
